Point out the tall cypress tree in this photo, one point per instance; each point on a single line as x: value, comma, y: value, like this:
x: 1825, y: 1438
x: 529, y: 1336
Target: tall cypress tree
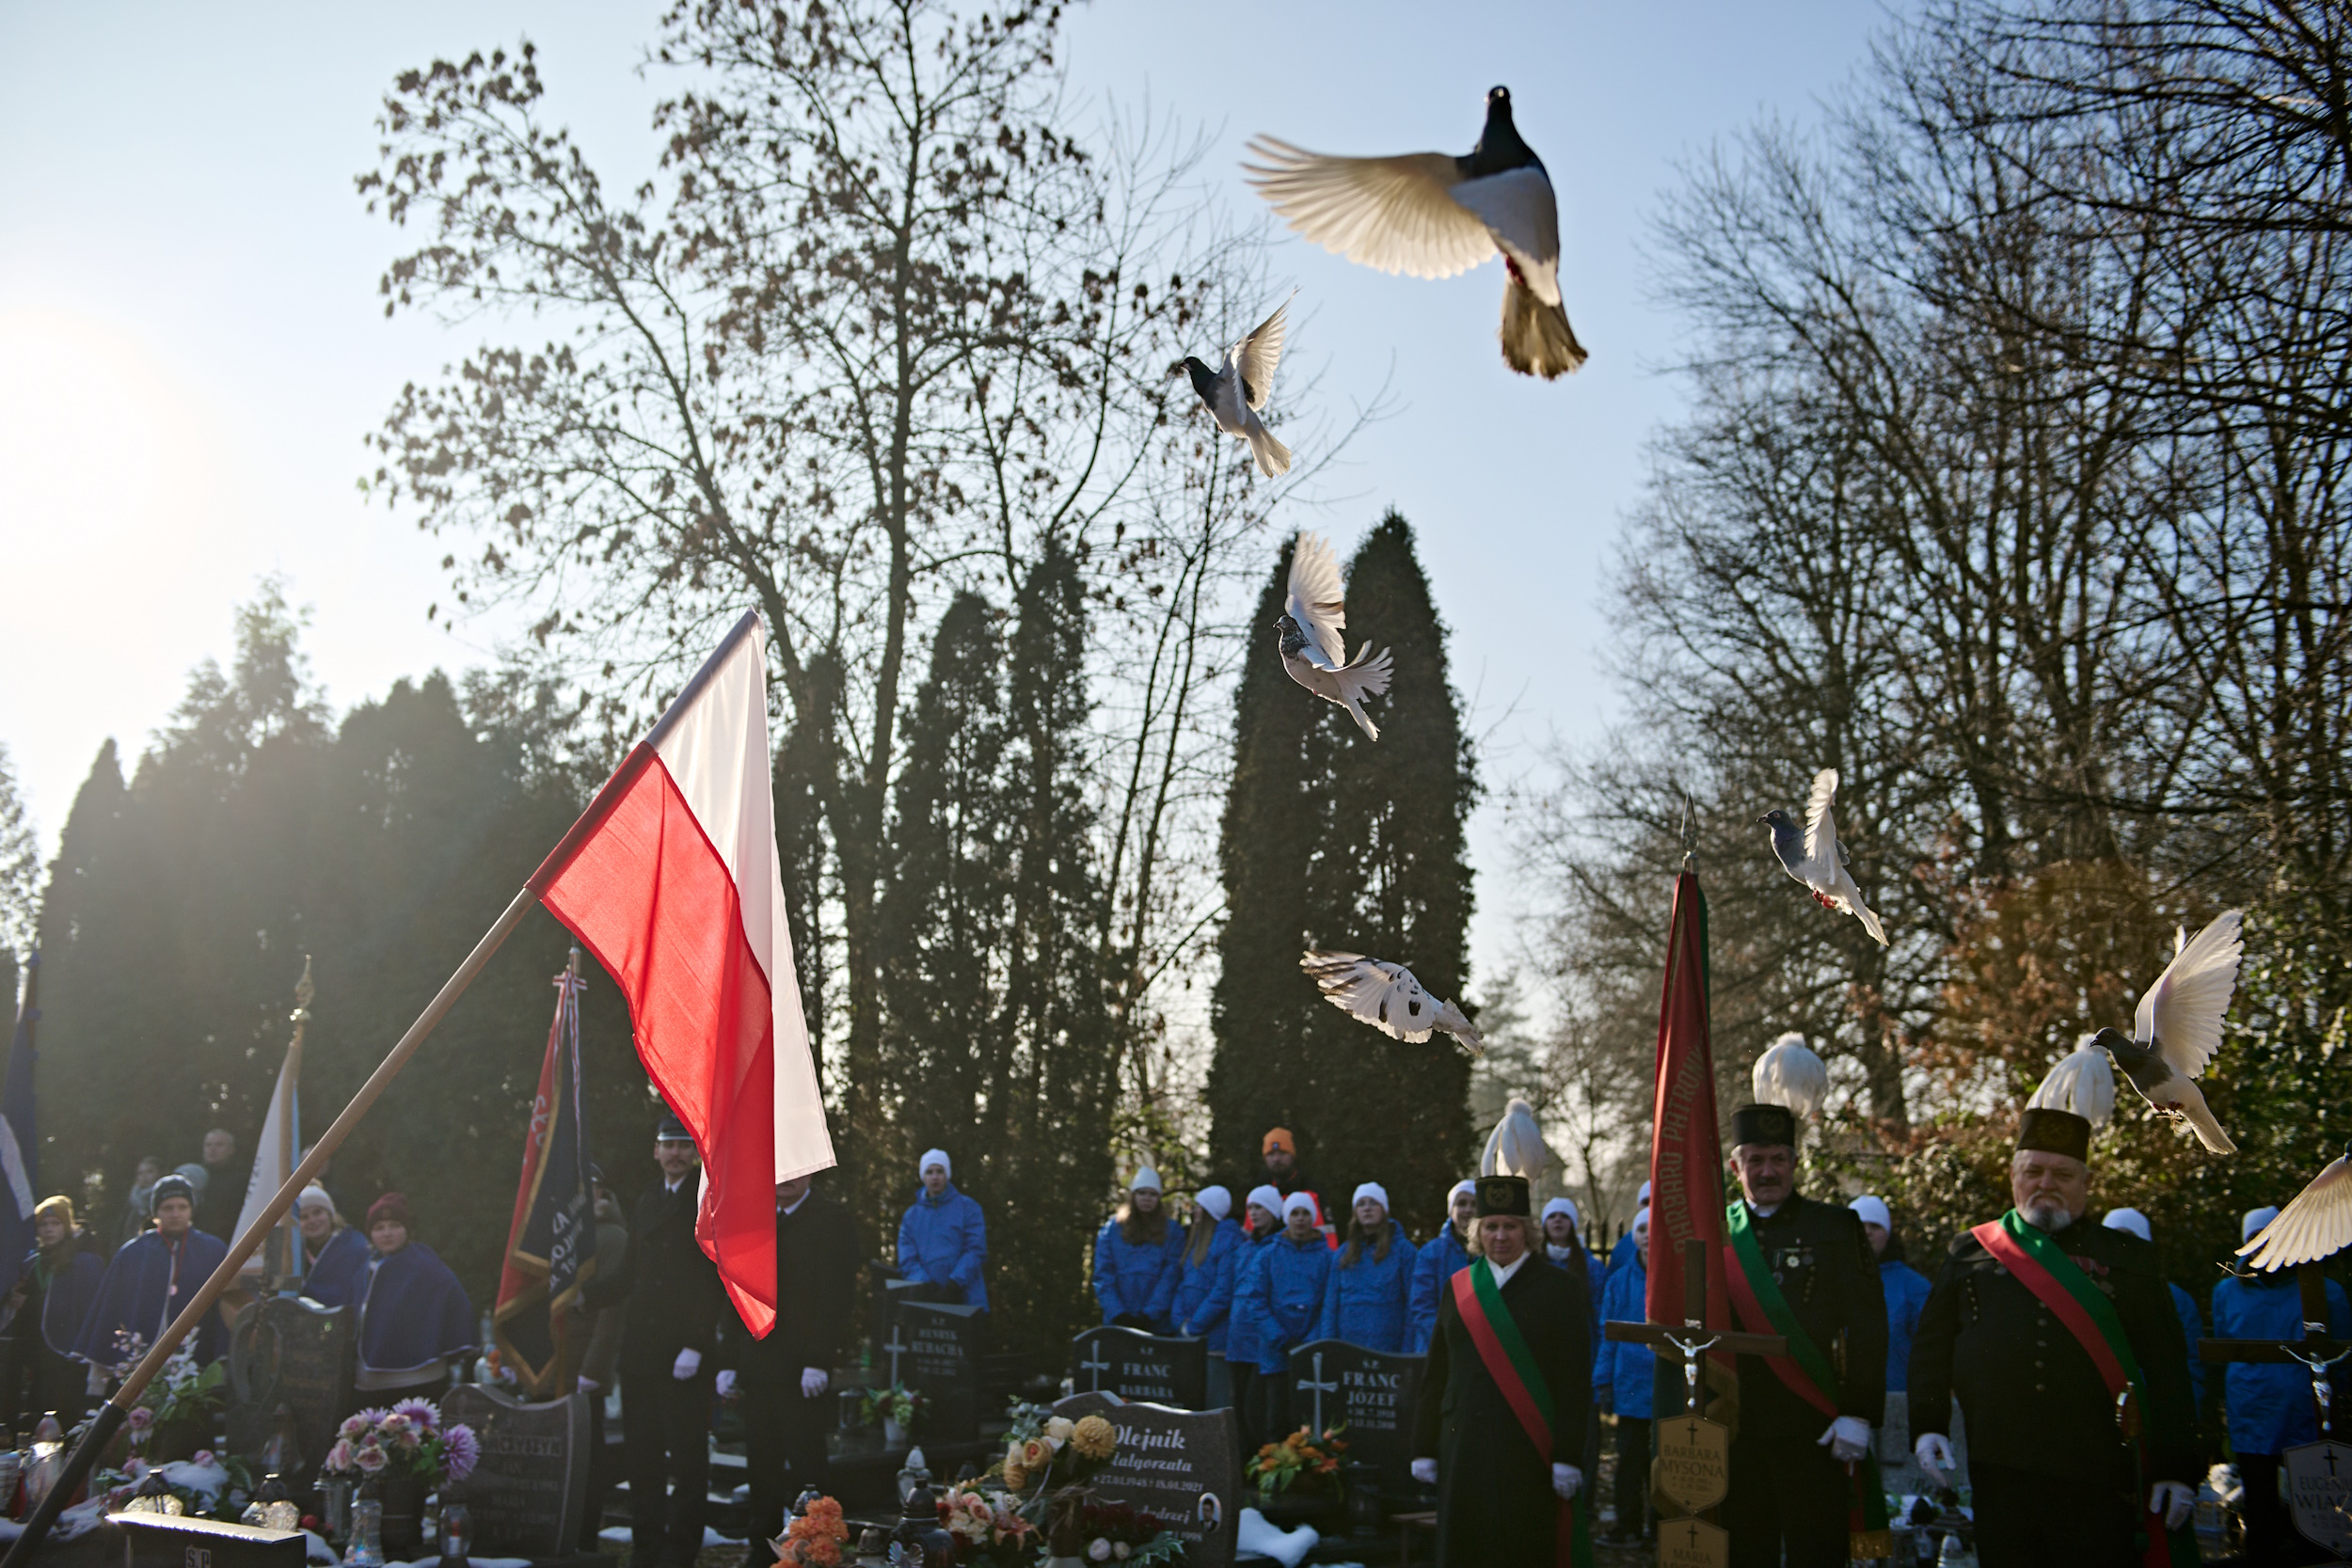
x: 1332, y: 840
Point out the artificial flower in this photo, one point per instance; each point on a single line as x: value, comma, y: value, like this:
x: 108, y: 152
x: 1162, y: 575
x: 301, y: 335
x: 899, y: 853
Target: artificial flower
x: 461, y: 1450
x: 1094, y: 1437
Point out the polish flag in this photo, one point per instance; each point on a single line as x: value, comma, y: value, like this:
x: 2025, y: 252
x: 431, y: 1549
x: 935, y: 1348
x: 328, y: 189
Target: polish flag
x: 670, y: 880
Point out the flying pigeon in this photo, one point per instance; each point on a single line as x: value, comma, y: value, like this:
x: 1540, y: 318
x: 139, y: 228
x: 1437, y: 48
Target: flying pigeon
x: 1790, y: 1074
x: 2082, y: 1082
x: 1815, y: 858
x: 1314, y: 651
x: 1516, y: 1147
x: 2178, y: 1028
x: 1432, y: 215
x: 1236, y: 391
x: 2317, y: 1224
x: 1387, y: 996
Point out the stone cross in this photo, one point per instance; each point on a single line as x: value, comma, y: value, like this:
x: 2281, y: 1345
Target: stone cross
x: 1320, y: 1388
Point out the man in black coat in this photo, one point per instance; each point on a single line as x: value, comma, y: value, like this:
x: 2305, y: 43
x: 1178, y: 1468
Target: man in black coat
x: 1500, y: 1495
x: 1793, y: 1463
x: 783, y: 1378
x: 669, y: 1332
x: 2054, y: 1474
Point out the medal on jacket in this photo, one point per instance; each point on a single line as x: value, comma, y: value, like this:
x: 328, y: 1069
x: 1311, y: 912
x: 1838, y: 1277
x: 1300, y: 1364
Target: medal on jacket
x: 2127, y: 1415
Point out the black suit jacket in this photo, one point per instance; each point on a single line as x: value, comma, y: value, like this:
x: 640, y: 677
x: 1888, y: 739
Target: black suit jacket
x: 1822, y: 1258
x: 670, y: 1285
x: 817, y: 1264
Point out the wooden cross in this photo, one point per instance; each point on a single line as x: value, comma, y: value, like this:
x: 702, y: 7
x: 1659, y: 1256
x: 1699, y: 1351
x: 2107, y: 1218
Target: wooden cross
x: 2316, y: 1350
x: 1691, y: 1337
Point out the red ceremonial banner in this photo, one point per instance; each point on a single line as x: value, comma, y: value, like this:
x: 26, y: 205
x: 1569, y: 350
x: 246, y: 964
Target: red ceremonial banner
x: 1686, y: 1157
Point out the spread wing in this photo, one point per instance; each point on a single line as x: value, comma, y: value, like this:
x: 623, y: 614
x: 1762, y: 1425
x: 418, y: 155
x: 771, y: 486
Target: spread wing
x: 2316, y: 1225
x: 1317, y: 602
x: 1395, y: 214
x: 1260, y: 352
x: 1384, y: 995
x: 2182, y: 1012
x: 1821, y: 855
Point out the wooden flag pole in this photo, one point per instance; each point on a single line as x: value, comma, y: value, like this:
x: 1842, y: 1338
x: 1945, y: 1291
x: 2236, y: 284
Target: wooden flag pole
x: 117, y: 1410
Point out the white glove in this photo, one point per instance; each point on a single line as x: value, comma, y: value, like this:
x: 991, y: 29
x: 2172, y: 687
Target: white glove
x: 1425, y: 1471
x: 587, y: 1385
x: 726, y: 1383
x: 1849, y: 1439
x: 813, y: 1380
x: 1566, y: 1478
x: 2174, y: 1500
x: 1934, y: 1453
x: 689, y: 1362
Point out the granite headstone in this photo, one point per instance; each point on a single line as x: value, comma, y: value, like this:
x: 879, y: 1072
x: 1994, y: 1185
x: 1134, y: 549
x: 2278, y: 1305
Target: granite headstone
x: 530, y: 1488
x: 1368, y: 1393
x: 291, y: 1366
x: 1182, y: 1466
x: 935, y: 1350
x: 1162, y: 1368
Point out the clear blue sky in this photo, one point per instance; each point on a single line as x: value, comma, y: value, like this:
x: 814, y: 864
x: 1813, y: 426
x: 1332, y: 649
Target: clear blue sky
x: 191, y: 348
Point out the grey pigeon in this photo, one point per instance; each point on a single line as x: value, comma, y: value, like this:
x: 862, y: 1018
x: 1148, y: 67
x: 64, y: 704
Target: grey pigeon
x: 1236, y: 393
x: 1387, y: 996
x: 1814, y: 857
x: 1313, y: 650
x: 1432, y: 215
x: 2178, y: 1028
x: 2317, y: 1224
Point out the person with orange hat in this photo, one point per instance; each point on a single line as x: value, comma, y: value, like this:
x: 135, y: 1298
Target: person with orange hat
x: 1279, y: 1151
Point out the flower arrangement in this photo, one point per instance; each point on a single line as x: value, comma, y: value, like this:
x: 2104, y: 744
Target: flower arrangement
x: 989, y: 1531
x: 1044, y: 1450
x: 1302, y: 1462
x: 183, y: 1394
x: 815, y: 1539
x: 1080, y: 1525
x: 410, y: 1439
x: 896, y: 1403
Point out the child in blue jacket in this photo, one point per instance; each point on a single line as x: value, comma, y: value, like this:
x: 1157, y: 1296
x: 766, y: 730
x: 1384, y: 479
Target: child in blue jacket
x: 1200, y: 1312
x: 1441, y: 1256
x: 943, y: 1239
x: 1621, y: 1383
x: 1370, y: 1288
x: 1238, y: 1286
x: 1138, y: 1259
x: 1284, y: 1303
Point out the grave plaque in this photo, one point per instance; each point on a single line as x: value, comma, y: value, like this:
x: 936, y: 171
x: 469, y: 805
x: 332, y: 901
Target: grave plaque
x: 1693, y: 1462
x: 1692, y: 1544
x: 291, y: 1366
x: 2319, y: 1492
x: 1182, y: 1466
x: 176, y: 1541
x: 1160, y: 1368
x: 530, y: 1489
x: 1370, y: 1393
x: 935, y: 1350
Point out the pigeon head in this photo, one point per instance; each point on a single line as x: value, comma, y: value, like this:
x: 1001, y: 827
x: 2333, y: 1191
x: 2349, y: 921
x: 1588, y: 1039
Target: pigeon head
x: 1203, y: 378
x: 1294, y: 639
x: 1499, y: 148
x: 1498, y: 94
x: 1788, y: 838
x: 2120, y: 1046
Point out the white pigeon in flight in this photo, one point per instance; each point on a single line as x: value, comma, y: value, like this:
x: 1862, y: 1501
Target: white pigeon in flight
x: 1433, y: 215
x: 1815, y: 858
x: 2178, y: 1028
x: 1236, y: 391
x: 1314, y: 649
x: 2317, y: 1224
x: 1387, y: 996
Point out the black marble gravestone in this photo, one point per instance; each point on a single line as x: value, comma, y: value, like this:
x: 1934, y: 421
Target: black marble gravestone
x: 530, y: 1489
x: 291, y: 1366
x: 934, y: 1349
x: 1160, y: 1367
x: 1370, y: 1393
x: 1182, y: 1466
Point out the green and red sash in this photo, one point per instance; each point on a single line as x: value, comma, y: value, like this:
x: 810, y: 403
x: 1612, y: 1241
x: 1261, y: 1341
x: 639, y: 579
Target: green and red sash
x: 1756, y: 1296
x: 1503, y: 1351
x: 2060, y: 1284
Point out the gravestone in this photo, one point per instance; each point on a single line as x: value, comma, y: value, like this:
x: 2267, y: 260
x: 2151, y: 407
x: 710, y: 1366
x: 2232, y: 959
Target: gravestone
x: 179, y: 1541
x: 291, y: 1366
x: 935, y: 1350
x: 530, y: 1489
x: 1161, y: 1368
x: 2319, y: 1493
x: 1182, y: 1466
x: 1370, y: 1393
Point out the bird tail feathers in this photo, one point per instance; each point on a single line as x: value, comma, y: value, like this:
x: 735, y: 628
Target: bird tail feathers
x: 2207, y: 1127
x: 1536, y: 337
x: 1274, y: 458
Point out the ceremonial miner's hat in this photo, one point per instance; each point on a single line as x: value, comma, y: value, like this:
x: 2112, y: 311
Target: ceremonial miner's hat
x: 1764, y: 1124
x: 1503, y: 1195
x: 2054, y: 1132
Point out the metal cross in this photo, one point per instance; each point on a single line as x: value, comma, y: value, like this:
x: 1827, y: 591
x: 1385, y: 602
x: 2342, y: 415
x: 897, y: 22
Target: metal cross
x: 1320, y: 1388
x: 1095, y: 1369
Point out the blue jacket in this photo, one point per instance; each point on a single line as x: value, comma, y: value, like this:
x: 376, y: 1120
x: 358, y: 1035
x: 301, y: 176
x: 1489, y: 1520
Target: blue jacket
x: 2269, y: 1405
x: 1138, y: 1278
x: 1906, y: 1290
x: 1623, y: 1371
x: 1238, y: 1286
x: 1625, y: 1255
x: 943, y: 1241
x: 1441, y: 1256
x: 1204, y: 1291
x: 2192, y: 1330
x: 1286, y: 1296
x: 1367, y: 1305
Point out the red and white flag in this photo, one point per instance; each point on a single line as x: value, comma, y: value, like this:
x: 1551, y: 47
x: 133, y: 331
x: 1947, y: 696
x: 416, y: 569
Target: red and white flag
x: 670, y: 879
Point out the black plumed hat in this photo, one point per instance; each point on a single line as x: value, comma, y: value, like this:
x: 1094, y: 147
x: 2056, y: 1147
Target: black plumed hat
x: 1505, y: 1194
x: 1764, y: 1124
x: 2054, y: 1132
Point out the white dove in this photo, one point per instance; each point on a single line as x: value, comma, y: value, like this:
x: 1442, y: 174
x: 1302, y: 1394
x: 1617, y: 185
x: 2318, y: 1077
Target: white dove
x: 2317, y: 1224
x: 1237, y: 391
x: 2178, y: 1028
x: 1815, y: 858
x: 1788, y: 1074
x: 1516, y: 1147
x: 1313, y: 650
x: 2082, y: 1082
x: 1387, y: 996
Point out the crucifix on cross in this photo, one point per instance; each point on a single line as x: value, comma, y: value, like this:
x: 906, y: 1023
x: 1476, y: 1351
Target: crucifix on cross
x: 2315, y: 1349
x: 1691, y: 1338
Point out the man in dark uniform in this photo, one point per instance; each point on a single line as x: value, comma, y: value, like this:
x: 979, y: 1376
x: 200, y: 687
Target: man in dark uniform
x: 1801, y: 1446
x: 668, y: 1331
x: 1505, y: 1489
x: 783, y: 1378
x: 2061, y: 1471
